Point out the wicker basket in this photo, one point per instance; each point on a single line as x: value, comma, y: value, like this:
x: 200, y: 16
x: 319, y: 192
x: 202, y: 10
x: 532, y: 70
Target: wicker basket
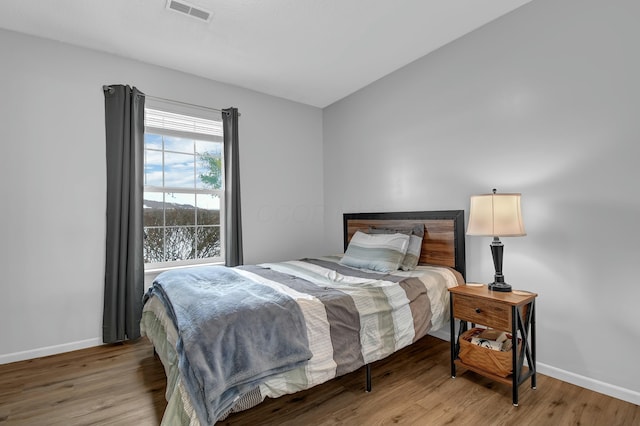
x: 496, y: 362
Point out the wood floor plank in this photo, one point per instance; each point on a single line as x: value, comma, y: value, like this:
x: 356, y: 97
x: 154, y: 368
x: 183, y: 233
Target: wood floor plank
x: 112, y: 384
x: 124, y: 384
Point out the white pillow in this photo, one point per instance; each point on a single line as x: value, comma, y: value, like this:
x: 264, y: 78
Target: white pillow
x: 378, y: 252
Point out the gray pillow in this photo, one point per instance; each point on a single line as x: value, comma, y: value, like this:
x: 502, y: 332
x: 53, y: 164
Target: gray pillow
x: 383, y: 252
x: 416, y: 234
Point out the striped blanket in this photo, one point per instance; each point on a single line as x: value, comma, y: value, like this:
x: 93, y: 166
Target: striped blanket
x: 352, y: 318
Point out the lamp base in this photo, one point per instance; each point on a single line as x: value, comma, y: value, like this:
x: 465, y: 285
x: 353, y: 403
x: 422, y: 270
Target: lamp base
x: 499, y: 286
x: 498, y: 283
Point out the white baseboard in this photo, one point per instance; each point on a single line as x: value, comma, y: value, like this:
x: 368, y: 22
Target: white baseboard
x: 589, y: 383
x: 49, y: 350
x: 442, y: 333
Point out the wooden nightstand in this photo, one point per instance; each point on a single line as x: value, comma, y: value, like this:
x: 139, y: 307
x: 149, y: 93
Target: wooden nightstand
x: 506, y: 311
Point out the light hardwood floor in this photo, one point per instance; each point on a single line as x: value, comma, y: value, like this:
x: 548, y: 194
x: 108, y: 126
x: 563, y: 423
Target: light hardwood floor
x: 124, y: 385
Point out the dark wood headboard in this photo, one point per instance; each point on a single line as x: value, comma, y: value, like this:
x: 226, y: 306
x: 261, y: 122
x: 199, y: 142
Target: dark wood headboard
x: 443, y: 242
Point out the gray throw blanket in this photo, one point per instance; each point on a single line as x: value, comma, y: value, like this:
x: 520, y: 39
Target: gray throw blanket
x: 232, y: 334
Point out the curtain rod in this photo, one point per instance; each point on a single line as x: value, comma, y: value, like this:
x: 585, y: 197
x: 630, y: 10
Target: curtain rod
x: 156, y: 98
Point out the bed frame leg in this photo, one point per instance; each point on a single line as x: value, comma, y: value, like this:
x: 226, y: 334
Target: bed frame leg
x: 368, y: 377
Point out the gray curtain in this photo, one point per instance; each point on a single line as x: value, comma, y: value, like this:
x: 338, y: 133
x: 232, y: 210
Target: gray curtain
x: 233, y: 216
x: 124, y: 265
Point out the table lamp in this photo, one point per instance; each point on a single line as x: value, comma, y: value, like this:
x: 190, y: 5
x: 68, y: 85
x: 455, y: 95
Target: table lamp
x: 496, y: 215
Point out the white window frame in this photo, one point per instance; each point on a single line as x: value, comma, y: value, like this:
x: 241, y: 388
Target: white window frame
x: 199, y: 130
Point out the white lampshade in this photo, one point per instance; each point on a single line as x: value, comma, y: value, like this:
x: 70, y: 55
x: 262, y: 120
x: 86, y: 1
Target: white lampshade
x: 496, y: 215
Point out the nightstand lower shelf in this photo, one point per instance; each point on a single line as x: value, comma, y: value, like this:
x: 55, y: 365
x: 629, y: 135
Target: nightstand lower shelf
x: 525, y: 374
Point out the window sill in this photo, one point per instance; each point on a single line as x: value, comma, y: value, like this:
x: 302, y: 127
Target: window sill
x: 158, y: 270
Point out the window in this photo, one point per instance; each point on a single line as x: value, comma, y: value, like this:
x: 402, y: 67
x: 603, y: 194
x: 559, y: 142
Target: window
x: 183, y: 186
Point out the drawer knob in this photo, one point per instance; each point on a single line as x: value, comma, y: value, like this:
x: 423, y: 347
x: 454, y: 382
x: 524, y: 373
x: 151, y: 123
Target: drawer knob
x: 478, y: 310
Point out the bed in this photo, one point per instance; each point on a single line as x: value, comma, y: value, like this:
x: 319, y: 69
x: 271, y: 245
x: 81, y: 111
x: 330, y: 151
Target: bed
x: 230, y: 337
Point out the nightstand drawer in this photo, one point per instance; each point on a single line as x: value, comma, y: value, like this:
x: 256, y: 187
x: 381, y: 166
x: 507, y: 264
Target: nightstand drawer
x: 491, y: 313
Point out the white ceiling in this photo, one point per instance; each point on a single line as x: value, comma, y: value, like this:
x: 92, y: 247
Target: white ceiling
x: 311, y: 51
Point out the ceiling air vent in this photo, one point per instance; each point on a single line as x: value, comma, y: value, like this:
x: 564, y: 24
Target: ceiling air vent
x: 189, y: 9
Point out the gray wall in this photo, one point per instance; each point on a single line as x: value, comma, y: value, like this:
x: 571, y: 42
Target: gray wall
x: 53, y: 180
x: 544, y: 101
